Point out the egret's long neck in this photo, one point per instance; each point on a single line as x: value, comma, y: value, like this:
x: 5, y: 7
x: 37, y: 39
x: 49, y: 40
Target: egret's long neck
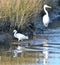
x: 45, y: 10
x: 15, y: 32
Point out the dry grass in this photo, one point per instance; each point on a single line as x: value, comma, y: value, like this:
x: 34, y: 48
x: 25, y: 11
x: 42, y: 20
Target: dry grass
x: 19, y: 11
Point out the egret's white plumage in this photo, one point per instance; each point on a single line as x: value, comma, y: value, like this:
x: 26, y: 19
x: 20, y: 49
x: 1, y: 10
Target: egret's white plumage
x: 19, y: 36
x: 46, y: 16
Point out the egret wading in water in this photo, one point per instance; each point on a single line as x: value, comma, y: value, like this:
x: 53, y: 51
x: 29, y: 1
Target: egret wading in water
x: 46, y: 16
x: 19, y: 36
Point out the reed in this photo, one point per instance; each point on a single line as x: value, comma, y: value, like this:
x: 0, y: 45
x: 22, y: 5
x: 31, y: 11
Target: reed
x: 19, y: 11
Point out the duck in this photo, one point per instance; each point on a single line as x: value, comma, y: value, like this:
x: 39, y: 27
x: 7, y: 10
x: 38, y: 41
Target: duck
x: 19, y: 36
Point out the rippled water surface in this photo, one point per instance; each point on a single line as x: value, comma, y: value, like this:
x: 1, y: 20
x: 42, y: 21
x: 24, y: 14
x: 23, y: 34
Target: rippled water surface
x: 47, y: 54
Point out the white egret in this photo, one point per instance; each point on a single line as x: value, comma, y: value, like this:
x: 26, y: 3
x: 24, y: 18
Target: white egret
x: 19, y: 36
x: 46, y: 16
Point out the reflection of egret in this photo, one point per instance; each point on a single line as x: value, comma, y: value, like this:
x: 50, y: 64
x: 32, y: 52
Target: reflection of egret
x: 45, y: 52
x: 46, y: 16
x: 22, y: 49
x: 18, y: 50
x: 19, y: 36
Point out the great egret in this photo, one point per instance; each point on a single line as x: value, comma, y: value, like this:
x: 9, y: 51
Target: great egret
x: 46, y: 16
x: 19, y: 36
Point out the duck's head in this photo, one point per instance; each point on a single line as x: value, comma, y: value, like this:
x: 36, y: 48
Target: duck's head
x: 14, y: 31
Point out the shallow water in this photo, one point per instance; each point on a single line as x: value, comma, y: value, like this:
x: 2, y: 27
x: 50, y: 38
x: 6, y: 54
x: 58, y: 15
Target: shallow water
x: 46, y: 54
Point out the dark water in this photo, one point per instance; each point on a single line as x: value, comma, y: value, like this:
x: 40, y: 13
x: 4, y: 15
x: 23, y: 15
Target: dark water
x: 46, y: 54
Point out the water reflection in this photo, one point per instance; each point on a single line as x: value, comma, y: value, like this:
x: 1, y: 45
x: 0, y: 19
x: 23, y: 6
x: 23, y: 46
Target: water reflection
x: 47, y: 54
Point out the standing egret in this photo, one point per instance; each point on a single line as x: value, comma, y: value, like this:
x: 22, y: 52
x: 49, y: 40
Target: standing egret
x: 19, y: 36
x: 46, y: 16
